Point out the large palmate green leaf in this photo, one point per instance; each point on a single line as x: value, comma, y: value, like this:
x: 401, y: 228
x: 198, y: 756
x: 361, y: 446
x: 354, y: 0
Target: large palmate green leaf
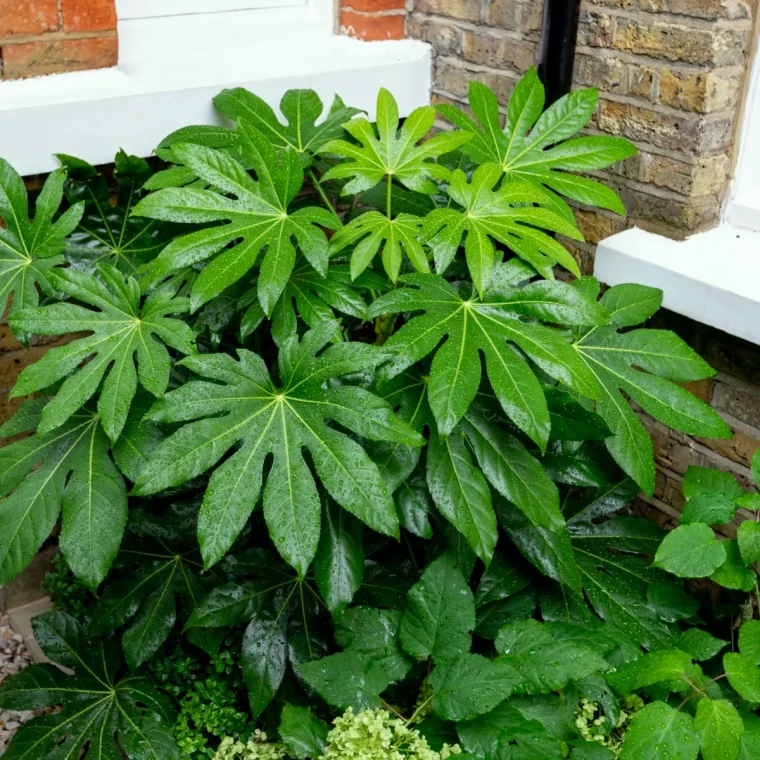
x: 278, y: 419
x: 493, y: 324
x: 103, y: 716
x: 646, y: 365
x: 157, y: 582
x: 67, y: 469
x: 533, y: 146
x: 371, y: 231
x: 301, y: 109
x: 122, y: 331
x: 107, y: 232
x: 29, y: 249
x: 390, y: 151
x: 505, y: 215
x: 258, y: 218
x: 311, y: 297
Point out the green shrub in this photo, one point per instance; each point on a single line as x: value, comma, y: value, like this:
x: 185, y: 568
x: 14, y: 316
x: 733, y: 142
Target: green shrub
x: 359, y: 327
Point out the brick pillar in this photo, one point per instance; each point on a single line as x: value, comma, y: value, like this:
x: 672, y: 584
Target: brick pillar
x: 372, y: 19
x: 50, y: 36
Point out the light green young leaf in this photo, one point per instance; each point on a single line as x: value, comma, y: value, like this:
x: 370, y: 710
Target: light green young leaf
x: 748, y: 536
x: 68, y: 469
x: 698, y: 480
x: 258, y: 219
x: 248, y: 407
x: 691, y: 551
x: 506, y: 215
x: 491, y: 325
x: 630, y: 304
x: 29, y: 249
x: 534, y: 144
x: 720, y: 729
x: 124, y: 334
x: 386, y: 150
x: 749, y: 640
x: 302, y: 732
x: 734, y: 573
x: 708, y: 508
x: 659, y: 732
x: 301, y: 109
x: 439, y: 614
x: 655, y: 667
x: 372, y: 231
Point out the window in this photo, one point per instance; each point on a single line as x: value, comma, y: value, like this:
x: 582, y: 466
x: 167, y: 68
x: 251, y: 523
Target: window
x: 132, y: 9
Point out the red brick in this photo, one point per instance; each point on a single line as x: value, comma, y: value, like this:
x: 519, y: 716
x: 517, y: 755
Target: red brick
x: 32, y: 59
x: 88, y: 15
x: 372, y: 28
x: 373, y: 6
x: 27, y: 17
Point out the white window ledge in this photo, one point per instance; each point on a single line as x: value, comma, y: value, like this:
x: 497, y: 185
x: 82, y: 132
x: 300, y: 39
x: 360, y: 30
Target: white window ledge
x: 92, y: 114
x: 713, y: 277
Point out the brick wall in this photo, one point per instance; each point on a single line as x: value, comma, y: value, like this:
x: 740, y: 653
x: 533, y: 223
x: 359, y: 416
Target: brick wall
x: 493, y: 41
x: 50, y: 36
x: 671, y: 75
x: 373, y: 20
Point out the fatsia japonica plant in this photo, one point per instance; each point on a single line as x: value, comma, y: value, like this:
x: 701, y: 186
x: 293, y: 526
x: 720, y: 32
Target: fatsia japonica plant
x: 357, y: 411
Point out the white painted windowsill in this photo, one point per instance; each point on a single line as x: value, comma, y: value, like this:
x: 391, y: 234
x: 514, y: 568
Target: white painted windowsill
x: 169, y: 70
x: 713, y: 277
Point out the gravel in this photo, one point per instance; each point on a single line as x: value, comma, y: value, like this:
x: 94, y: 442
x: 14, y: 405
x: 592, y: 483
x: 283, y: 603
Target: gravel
x: 13, y: 658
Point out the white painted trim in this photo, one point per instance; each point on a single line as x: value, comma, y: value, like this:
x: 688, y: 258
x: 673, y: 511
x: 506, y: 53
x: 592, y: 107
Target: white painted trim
x: 131, y: 9
x: 713, y: 277
x: 743, y: 207
x: 92, y: 114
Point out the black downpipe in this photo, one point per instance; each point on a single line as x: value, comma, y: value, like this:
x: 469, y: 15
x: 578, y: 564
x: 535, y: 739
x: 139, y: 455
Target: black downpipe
x: 557, y: 51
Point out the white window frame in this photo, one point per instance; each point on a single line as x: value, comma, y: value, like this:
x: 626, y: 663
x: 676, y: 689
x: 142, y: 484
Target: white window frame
x: 171, y: 66
x: 743, y: 208
x: 132, y: 9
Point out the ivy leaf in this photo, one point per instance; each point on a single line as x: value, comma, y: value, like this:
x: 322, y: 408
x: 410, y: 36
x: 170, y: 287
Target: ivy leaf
x: 492, y: 325
x: 439, y: 614
x: 505, y: 215
x: 67, y: 470
x: 646, y: 364
x: 372, y: 231
x: 302, y: 732
x: 107, y: 232
x: 29, y: 249
x: 102, y: 716
x: 470, y: 686
x: 124, y: 333
x: 347, y: 679
x: 720, y: 729
x: 301, y: 109
x: 390, y: 151
x: 248, y: 407
x: 547, y: 659
x: 339, y: 561
x: 257, y: 216
x: 534, y: 144
x: 691, y: 551
x: 264, y: 657
x: 659, y: 731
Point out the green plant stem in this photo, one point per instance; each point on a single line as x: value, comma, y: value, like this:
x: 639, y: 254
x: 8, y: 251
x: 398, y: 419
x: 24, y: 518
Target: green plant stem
x: 388, y: 197
x: 419, y: 710
x: 323, y: 195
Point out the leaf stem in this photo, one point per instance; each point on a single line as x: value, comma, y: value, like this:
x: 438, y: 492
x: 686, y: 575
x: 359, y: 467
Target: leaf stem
x: 419, y: 710
x: 388, y: 197
x: 323, y: 195
x: 392, y: 709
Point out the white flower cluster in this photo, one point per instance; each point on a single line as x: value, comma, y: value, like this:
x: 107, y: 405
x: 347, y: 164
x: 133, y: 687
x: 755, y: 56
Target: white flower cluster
x: 375, y: 735
x: 256, y: 748
x: 593, y: 726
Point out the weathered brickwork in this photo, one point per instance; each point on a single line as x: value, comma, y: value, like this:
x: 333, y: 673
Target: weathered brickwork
x: 671, y: 75
x: 372, y: 20
x: 40, y: 37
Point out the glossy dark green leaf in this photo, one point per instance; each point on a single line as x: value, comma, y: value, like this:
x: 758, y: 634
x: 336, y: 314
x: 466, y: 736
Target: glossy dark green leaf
x: 748, y: 536
x: 339, y: 561
x: 302, y: 732
x: 264, y: 657
x: 733, y: 572
x: 439, y: 614
x: 501, y: 579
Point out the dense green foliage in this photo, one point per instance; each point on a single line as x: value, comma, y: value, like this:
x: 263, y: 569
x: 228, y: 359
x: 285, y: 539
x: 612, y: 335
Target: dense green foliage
x: 361, y: 329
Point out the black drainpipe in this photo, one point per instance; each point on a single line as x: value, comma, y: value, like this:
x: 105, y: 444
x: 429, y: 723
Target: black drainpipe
x: 557, y: 52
